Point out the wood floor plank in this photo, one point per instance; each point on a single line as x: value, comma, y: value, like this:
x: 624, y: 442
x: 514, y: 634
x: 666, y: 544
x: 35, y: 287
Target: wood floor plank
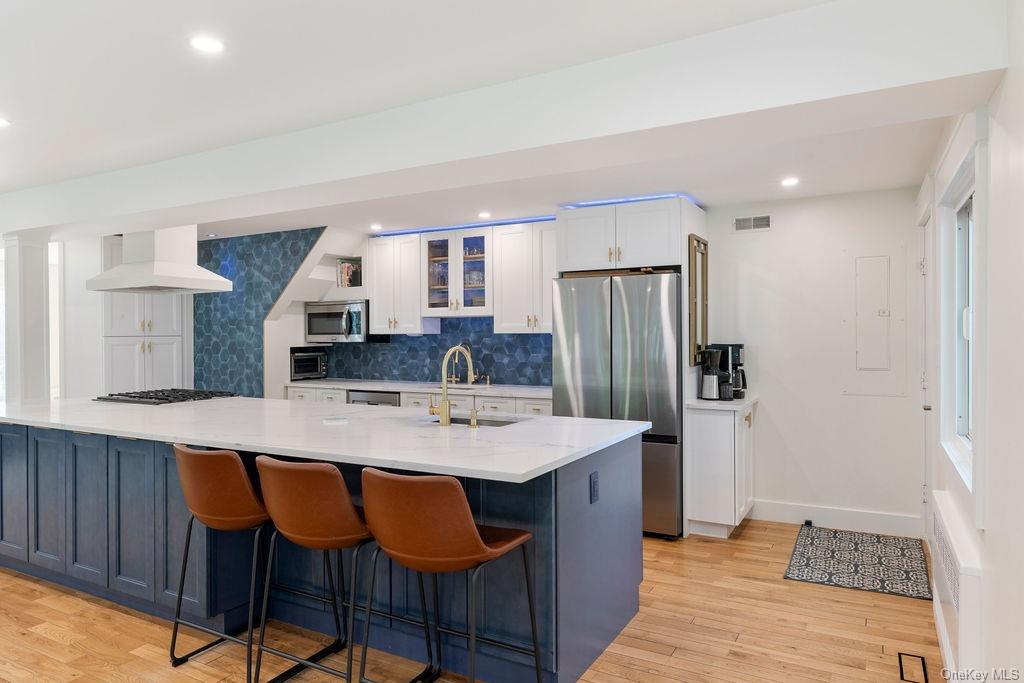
x: 711, y: 611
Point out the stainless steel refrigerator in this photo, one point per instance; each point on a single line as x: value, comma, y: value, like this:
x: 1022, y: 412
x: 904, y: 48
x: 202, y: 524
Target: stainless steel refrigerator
x: 617, y: 353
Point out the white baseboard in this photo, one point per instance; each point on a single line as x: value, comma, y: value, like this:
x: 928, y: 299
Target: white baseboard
x: 941, y: 630
x: 891, y: 523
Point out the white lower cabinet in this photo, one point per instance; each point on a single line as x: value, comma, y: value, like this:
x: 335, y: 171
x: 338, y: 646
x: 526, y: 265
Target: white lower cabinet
x: 533, y: 406
x: 463, y: 402
x: 721, y: 444
x: 300, y: 394
x: 415, y: 400
x: 495, y: 405
x: 332, y: 395
x: 141, y: 363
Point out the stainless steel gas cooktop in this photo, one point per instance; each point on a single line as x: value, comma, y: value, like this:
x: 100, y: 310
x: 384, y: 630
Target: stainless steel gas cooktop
x: 158, y: 397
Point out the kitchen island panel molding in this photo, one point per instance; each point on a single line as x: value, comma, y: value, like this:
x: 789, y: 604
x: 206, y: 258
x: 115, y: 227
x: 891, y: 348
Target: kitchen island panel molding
x: 583, y: 545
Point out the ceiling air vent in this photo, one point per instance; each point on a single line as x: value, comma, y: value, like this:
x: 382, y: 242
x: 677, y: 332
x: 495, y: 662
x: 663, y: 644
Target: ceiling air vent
x: 751, y: 223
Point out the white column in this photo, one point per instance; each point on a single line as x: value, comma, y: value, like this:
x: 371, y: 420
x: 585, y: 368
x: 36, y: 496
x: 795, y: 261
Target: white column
x: 27, y: 318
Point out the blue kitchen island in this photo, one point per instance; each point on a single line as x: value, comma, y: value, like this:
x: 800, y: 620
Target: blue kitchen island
x: 89, y: 498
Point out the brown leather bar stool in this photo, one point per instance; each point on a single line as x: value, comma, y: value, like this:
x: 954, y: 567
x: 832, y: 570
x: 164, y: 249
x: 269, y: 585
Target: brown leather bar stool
x: 310, y: 505
x: 424, y: 523
x: 219, y: 494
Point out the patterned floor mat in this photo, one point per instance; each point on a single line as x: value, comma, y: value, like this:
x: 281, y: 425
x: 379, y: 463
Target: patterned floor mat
x: 894, y: 565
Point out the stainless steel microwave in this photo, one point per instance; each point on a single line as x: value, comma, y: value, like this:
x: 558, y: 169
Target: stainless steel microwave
x: 308, y: 362
x: 329, y: 322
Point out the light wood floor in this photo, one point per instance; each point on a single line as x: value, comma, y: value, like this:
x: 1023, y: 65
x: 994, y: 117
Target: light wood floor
x: 709, y: 611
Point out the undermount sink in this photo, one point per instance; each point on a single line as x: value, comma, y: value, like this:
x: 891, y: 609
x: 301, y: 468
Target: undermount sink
x: 480, y: 422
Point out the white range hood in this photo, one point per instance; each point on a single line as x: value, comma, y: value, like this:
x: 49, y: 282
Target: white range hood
x: 160, y: 262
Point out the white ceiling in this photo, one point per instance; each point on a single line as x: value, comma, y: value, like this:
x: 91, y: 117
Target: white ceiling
x: 893, y: 156
x: 96, y: 86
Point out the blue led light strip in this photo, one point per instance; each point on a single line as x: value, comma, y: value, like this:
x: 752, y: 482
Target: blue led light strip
x: 628, y: 200
x: 464, y: 226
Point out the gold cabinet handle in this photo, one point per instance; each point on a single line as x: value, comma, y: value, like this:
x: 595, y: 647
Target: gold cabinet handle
x: 618, y: 253
x: 142, y: 347
x: 610, y: 254
x: 149, y: 346
x: 142, y: 326
x: 749, y: 419
x: 149, y: 325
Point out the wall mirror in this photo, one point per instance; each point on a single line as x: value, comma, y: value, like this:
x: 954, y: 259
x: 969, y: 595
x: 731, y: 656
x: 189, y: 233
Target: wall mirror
x: 698, y: 298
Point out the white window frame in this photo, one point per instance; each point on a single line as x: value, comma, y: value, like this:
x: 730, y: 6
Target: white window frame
x: 964, y: 175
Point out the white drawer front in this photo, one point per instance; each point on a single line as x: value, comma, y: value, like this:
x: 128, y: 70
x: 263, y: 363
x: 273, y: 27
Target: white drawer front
x: 296, y: 394
x: 533, y: 406
x: 415, y: 400
x: 332, y: 395
x: 495, y: 405
x: 458, y: 401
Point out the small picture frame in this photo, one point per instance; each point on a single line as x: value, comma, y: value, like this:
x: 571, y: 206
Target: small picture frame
x: 349, y: 271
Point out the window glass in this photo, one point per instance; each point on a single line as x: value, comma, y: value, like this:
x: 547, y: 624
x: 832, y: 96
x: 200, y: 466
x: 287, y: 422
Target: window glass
x: 963, y: 316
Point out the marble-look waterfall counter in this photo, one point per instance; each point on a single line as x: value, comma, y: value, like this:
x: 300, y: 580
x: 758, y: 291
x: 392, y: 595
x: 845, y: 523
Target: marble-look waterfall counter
x: 89, y: 498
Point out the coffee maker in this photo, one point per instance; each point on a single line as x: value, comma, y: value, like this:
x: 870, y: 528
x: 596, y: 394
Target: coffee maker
x: 715, y: 385
x: 731, y: 361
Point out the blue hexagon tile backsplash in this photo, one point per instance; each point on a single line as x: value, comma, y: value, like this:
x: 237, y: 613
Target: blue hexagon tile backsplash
x: 507, y: 358
x: 229, y: 325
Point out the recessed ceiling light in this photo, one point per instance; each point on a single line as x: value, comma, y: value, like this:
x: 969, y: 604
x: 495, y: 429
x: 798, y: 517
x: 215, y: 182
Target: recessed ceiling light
x: 207, y: 44
x: 791, y: 181
x: 4, y: 123
x: 211, y: 234
x: 484, y: 214
x: 375, y: 227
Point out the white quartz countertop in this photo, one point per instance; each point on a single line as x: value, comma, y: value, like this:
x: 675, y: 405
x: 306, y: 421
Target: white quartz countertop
x: 398, y: 438
x: 733, y: 405
x: 496, y: 390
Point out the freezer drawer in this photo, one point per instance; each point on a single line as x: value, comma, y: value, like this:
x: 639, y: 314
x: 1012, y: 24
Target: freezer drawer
x: 663, y: 488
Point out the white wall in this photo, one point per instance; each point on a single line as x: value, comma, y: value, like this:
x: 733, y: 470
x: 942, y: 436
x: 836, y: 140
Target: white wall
x: 854, y: 461
x: 82, y: 320
x: 1003, y: 539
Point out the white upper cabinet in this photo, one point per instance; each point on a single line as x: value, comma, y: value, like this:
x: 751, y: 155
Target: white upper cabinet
x: 586, y: 238
x: 408, y: 319
x: 630, y: 235
x: 137, y: 315
x: 163, y: 314
x: 124, y: 315
x: 381, y: 281
x: 648, y: 234
x: 457, y: 277
x: 545, y: 259
x: 394, y: 287
x: 524, y: 265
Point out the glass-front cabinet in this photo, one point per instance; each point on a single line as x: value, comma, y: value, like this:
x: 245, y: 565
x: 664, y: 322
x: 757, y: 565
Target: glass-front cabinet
x: 457, y: 269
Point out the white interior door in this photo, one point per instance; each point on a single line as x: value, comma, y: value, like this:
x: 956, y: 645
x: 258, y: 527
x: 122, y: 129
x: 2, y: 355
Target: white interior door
x: 123, y: 364
x: 648, y: 234
x: 586, y: 238
x: 545, y: 270
x: 382, y: 284
x: 163, y: 363
x: 514, y: 283
x: 163, y: 313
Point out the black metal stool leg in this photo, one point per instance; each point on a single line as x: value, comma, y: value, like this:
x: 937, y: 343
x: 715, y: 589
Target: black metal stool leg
x: 175, y: 660
x: 533, y: 611
x: 266, y: 603
x: 352, y: 609
x: 437, y: 625
x: 369, y: 614
x: 252, y: 598
x: 432, y: 671
x: 472, y: 622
